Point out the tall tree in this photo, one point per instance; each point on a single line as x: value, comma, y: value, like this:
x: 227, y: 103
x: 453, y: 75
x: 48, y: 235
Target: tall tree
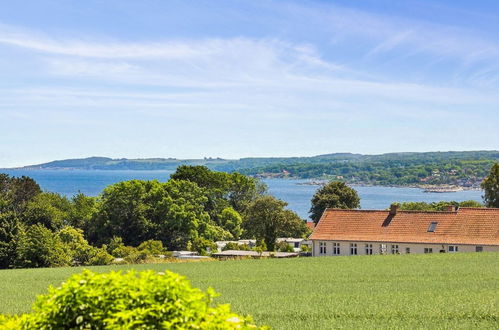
x: 267, y: 219
x: 490, y: 187
x: 335, y: 194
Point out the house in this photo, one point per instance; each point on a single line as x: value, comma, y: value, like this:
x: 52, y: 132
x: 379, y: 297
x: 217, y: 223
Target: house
x: 360, y: 232
x: 295, y: 243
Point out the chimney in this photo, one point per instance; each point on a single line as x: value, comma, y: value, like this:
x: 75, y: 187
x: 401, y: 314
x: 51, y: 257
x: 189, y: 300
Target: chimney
x: 451, y: 208
x: 393, y: 209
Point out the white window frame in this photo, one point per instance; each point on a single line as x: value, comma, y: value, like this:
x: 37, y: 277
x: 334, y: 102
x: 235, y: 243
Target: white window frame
x: 322, y: 248
x: 353, y: 249
x: 428, y: 250
x: 382, y: 249
x: 453, y: 248
x: 395, y: 249
x: 369, y: 249
x: 336, y: 249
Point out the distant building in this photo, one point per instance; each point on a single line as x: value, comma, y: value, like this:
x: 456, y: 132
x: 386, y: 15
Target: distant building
x: 361, y: 232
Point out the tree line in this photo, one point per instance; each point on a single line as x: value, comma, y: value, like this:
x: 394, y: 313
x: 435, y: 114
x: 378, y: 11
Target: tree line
x: 134, y: 219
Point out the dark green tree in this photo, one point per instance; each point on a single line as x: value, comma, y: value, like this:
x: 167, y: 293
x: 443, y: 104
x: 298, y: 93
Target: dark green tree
x: 490, y: 187
x: 9, y: 235
x: 49, y: 209
x: 39, y: 247
x: 335, y: 194
x: 266, y: 219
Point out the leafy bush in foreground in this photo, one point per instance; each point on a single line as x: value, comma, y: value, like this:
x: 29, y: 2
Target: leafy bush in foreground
x: 146, y: 300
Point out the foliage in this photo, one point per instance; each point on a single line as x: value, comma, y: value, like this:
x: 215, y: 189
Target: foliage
x: 18, y: 191
x: 284, y: 247
x: 83, y: 209
x: 172, y: 212
x: 80, y: 251
x: 203, y: 246
x: 266, y: 219
x: 236, y: 246
x: 9, y: 231
x: 456, y: 168
x: 436, y: 206
x: 48, y: 209
x: 235, y: 190
x: 39, y: 247
x: 335, y: 194
x: 116, y: 300
x: 152, y: 247
x: 231, y: 220
x: 491, y: 187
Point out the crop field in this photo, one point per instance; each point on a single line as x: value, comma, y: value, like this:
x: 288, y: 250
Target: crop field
x: 397, y: 291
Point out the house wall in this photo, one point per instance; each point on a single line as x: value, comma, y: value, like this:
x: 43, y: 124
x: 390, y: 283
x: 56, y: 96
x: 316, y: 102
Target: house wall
x: 414, y: 248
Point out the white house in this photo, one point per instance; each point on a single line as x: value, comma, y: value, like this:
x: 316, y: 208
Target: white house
x: 361, y: 232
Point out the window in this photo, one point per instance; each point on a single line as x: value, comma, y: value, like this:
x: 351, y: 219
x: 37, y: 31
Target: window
x: 297, y: 244
x: 428, y: 250
x: 395, y: 249
x: 408, y: 250
x: 322, y: 247
x: 369, y: 249
x: 452, y: 248
x: 336, y: 248
x: 432, y: 227
x: 353, y: 248
x: 478, y: 248
x: 382, y: 248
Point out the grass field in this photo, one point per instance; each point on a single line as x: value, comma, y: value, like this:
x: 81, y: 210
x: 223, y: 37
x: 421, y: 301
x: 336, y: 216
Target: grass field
x: 401, y: 291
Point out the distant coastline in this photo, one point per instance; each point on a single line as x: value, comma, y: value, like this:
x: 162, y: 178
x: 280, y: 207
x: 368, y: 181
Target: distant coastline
x: 434, y: 172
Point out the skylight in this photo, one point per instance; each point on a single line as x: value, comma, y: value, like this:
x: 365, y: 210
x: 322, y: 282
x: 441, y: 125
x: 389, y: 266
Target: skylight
x: 432, y: 227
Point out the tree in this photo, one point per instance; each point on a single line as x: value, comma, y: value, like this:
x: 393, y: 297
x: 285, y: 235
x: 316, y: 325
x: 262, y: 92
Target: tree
x: 490, y: 187
x: 266, y: 219
x: 39, y: 247
x: 9, y: 235
x: 335, y: 194
x: 49, y: 209
x: 231, y: 221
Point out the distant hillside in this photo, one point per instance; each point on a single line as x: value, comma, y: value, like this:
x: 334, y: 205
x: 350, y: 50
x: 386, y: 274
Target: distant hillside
x: 461, y: 168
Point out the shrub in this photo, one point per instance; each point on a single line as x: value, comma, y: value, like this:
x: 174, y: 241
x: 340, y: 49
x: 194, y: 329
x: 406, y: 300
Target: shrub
x: 123, y: 251
x: 203, y: 246
x: 116, y: 300
x: 100, y: 257
x: 39, y: 247
x: 152, y: 247
x: 284, y: 247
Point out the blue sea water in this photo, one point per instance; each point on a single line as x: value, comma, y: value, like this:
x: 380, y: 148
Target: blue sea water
x: 297, y: 195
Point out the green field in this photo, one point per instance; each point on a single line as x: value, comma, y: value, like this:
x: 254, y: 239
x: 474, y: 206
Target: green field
x: 402, y: 291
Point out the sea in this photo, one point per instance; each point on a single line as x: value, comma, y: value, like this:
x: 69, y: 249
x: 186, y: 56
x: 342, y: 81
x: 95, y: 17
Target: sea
x: 296, y: 192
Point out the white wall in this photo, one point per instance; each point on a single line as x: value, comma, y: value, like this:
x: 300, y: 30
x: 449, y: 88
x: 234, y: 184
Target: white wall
x: 414, y: 248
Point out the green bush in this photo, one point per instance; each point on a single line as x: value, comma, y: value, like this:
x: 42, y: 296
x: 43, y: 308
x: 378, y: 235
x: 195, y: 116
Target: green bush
x: 145, y: 300
x: 39, y: 247
x: 152, y: 247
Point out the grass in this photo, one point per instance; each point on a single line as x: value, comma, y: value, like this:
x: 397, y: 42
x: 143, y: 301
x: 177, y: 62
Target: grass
x: 403, y: 291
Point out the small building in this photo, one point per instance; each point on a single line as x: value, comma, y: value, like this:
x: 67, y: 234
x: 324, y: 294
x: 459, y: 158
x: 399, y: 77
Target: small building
x: 365, y: 232
x: 251, y: 243
x: 232, y: 254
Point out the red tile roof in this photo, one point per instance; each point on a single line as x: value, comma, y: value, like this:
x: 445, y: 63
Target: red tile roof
x: 310, y: 225
x: 477, y: 226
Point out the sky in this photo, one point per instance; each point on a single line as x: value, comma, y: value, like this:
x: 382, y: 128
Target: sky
x: 231, y: 79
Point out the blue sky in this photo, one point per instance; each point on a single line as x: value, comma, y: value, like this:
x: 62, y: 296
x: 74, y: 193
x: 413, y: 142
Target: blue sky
x: 232, y: 79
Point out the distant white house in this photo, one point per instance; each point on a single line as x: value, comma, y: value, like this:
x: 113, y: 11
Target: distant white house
x: 295, y: 243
